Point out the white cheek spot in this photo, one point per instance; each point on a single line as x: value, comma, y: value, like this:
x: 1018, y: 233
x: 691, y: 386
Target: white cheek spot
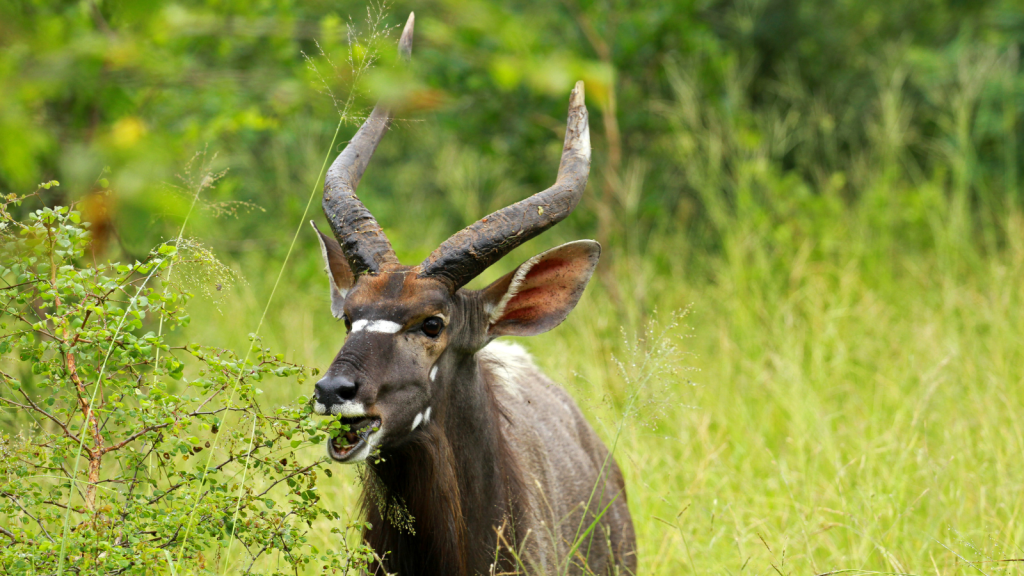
x: 319, y: 409
x: 426, y: 416
x: 433, y: 373
x: 417, y: 420
x: 381, y: 326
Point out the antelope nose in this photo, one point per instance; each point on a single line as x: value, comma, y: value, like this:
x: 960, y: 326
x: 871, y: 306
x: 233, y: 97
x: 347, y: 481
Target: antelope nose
x: 332, y: 390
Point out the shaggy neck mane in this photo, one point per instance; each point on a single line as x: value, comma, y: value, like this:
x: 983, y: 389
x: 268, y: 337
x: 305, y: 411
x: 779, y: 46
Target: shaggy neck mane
x: 457, y: 480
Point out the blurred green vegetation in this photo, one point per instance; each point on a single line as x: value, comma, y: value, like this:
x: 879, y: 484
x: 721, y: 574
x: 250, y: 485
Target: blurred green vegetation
x: 834, y: 186
x: 131, y: 90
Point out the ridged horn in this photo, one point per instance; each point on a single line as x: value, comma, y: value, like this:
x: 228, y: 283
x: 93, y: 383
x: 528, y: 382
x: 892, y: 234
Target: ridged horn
x: 469, y: 252
x: 362, y: 240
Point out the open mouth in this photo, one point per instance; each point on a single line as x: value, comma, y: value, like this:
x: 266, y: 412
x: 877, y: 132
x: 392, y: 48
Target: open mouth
x: 352, y: 441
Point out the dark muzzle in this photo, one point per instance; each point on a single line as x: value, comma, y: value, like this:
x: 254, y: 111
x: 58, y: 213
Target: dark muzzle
x: 333, y: 389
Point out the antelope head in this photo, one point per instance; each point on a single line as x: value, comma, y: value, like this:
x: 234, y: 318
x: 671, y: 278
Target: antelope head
x: 411, y: 329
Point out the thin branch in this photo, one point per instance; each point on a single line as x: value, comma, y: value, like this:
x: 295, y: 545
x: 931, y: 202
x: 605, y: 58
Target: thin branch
x: 39, y: 466
x: 148, y: 429
x: 25, y: 320
x: 292, y: 475
x: 131, y: 438
x: 35, y: 407
x: 135, y: 478
x: 234, y: 457
x: 59, y: 505
x: 8, y: 534
x: 267, y: 545
x: 168, y: 491
x: 174, y: 537
x: 29, y: 514
x: 22, y: 284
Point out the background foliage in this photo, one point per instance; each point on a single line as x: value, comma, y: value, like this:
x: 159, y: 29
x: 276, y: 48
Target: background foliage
x: 834, y: 186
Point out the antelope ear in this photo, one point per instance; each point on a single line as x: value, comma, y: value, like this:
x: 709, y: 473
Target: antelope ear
x: 539, y: 295
x: 338, y: 272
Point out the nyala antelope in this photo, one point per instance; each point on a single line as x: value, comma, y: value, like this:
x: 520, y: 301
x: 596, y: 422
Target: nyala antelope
x: 493, y: 461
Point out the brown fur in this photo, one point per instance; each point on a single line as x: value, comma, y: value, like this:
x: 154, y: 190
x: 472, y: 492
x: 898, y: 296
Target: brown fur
x: 422, y: 477
x: 539, y: 513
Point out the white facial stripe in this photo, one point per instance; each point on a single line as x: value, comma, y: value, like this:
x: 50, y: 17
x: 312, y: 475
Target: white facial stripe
x: 384, y: 327
x: 433, y: 373
x: 416, y: 421
x: 381, y: 326
x: 426, y: 415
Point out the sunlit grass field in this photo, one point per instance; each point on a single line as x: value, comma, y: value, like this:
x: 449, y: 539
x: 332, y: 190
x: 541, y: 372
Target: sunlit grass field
x: 829, y: 391
x: 813, y: 378
x: 801, y: 382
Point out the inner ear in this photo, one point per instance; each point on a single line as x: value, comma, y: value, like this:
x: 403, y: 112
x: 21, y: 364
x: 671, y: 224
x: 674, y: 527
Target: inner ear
x: 338, y: 271
x: 539, y: 295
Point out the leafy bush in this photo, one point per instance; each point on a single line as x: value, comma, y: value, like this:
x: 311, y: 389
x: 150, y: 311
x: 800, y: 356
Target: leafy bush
x: 134, y: 453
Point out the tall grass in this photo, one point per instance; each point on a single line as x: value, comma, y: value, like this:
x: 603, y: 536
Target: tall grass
x: 845, y: 390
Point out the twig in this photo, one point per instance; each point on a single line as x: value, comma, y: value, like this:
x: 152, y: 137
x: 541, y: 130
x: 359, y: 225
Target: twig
x: 29, y: 514
x: 8, y: 534
x: 234, y: 457
x: 22, y: 284
x: 173, y: 538
x: 270, y: 541
x: 135, y: 477
x: 168, y: 491
x: 59, y: 505
x: 35, y: 407
x: 131, y: 438
x: 148, y: 429
x: 292, y: 475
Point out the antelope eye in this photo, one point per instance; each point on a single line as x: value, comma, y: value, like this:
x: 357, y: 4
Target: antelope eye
x: 348, y: 323
x: 432, y: 326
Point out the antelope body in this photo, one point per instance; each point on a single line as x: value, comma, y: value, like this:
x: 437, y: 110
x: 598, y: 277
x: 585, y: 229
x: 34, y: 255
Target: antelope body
x: 476, y: 463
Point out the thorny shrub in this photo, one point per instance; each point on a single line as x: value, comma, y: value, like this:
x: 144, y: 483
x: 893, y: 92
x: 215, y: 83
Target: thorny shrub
x: 122, y: 453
